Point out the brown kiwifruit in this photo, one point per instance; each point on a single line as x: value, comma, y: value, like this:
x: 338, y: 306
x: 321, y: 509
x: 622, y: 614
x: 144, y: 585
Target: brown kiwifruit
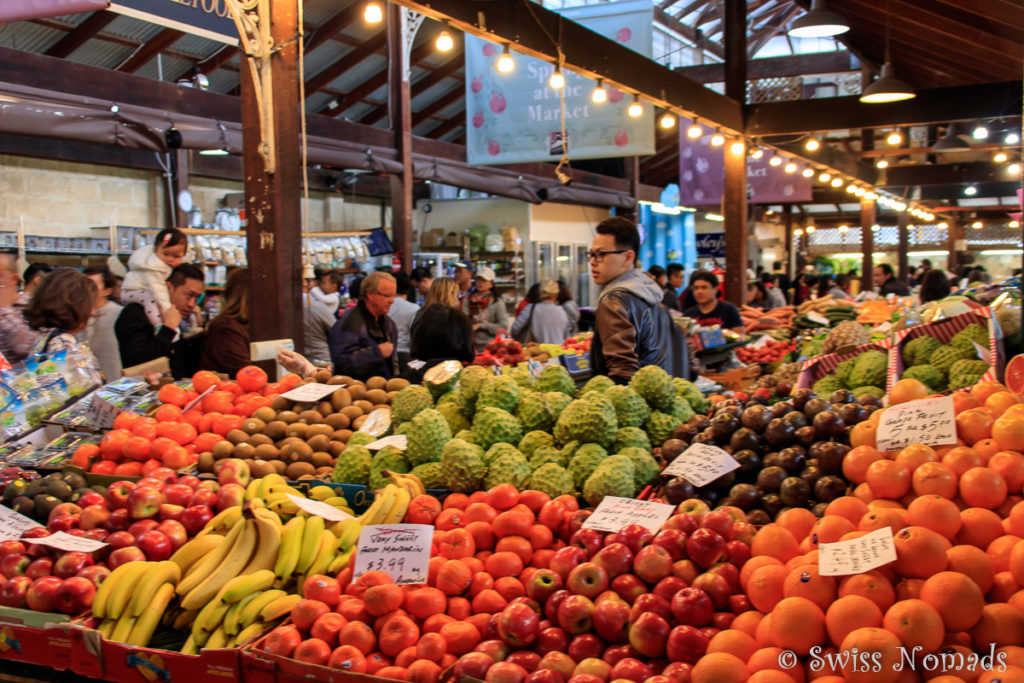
x: 311, y: 417
x: 279, y: 466
x: 287, y: 452
x: 376, y: 383
x: 297, y: 429
x: 325, y: 408
x: 336, y: 448
x: 337, y: 421
x: 299, y: 469
x: 318, y: 442
x: 336, y: 379
x: 322, y: 459
x: 357, y: 423
x: 275, y: 429
x: 266, y: 413
x: 217, y: 465
x: 291, y: 440
x: 391, y: 396
x: 357, y: 392
x: 302, y: 451
x: 396, y: 384
x: 313, y: 430
x: 266, y: 452
x: 351, y: 412
x: 288, y: 416
x: 253, y: 425
x: 260, y: 439
x: 222, y: 449
x: 377, y: 396
x: 237, y: 436
x: 279, y: 404
x: 243, y: 450
x: 364, y: 405
x: 342, y: 435
x: 205, y: 462
x: 322, y: 375
x: 260, y: 468
x: 341, y: 398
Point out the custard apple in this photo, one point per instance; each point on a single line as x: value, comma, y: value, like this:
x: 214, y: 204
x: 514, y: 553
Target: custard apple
x: 613, y: 477
x: 630, y: 409
x: 492, y: 425
x: 534, y: 412
x: 428, y: 433
x: 471, y: 380
x: 860, y: 391
x: 655, y: 386
x: 442, y: 378
x: 352, y: 466
x: 508, y: 468
x: 499, y: 449
x: 569, y: 449
x: 387, y: 458
x: 598, y: 383
x: 556, y: 378
x: 632, y: 437
x: 410, y: 401
x: 552, y: 480
x: 930, y: 375
x: 430, y: 474
x: 557, y: 402
x: 546, y: 454
x: 688, y: 390
x: 360, y: 439
x: 918, y: 351
x: 498, y: 392
x: 453, y: 416
x: 645, y: 467
x: 966, y: 372
x: 531, y: 441
x: 972, y: 333
x: 942, y: 358
x: 462, y: 466
x: 466, y: 435
x: 523, y: 378
x: 870, y: 368
x: 583, y: 464
x: 681, y: 409
x: 826, y: 385
x: 660, y: 426
x: 590, y: 421
x: 843, y: 370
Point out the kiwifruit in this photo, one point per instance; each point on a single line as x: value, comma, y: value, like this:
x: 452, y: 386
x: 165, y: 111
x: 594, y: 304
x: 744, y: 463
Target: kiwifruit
x: 377, y: 396
x: 289, y: 440
x: 311, y: 417
x: 376, y: 383
x: 288, y: 416
x: 287, y: 452
x: 319, y: 442
x: 266, y: 413
x: 337, y: 421
x: 302, y: 451
x: 336, y: 448
x: 279, y: 466
x: 266, y: 452
x: 351, y: 412
x: 325, y: 408
x: 260, y: 468
x: 299, y: 469
x: 396, y: 384
x: 391, y: 396
x: 253, y: 425
x: 205, y: 462
x: 322, y: 459
x: 341, y: 398
x: 279, y: 404
x: 237, y: 436
x: 322, y: 375
x: 260, y: 439
x: 74, y: 480
x: 313, y: 430
x: 222, y: 449
x: 364, y: 405
x: 297, y: 429
x: 336, y: 379
x: 58, y: 488
x: 342, y: 435
x: 275, y: 429
x: 357, y: 423
x: 244, y: 450
x: 357, y: 392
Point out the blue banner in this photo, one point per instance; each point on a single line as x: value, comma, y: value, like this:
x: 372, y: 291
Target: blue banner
x: 711, y: 245
x: 667, y: 238
x: 207, y: 18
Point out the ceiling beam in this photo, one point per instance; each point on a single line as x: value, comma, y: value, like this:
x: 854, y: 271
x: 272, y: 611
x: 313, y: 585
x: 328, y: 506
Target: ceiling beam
x: 694, y: 35
x: 770, y: 31
x: 934, y: 105
x: 448, y: 125
x: 216, y: 60
x: 77, y: 36
x: 942, y: 174
x: 356, y: 55
x: 439, y: 105
x: 905, y: 151
x: 432, y: 78
x: 332, y: 26
x: 150, y: 49
x: 682, y: 13
x: 773, y: 67
x: 990, y: 189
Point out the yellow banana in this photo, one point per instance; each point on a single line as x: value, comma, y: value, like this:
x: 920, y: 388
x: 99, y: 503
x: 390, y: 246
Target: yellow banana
x: 209, y: 618
x: 187, y: 555
x: 340, y: 561
x: 106, y: 628
x: 100, y: 600
x: 336, y: 501
x: 190, y: 647
x: 310, y: 543
x: 202, y: 569
x: 240, y: 554
x: 321, y: 493
x: 347, y: 531
x: 251, y: 612
x: 247, y: 634
x: 325, y: 554
x: 184, y: 620
x: 222, y: 522
x: 230, y: 622
x: 253, y: 489
x: 267, y: 545
x: 144, y: 626
x: 123, y: 628
x: 268, y: 482
x: 244, y: 584
x: 121, y: 595
x: 279, y: 608
x: 217, y: 640
x: 288, y: 552
x: 283, y: 506
x: 381, y: 505
x: 152, y: 580
x: 409, y: 482
x: 270, y: 515
x: 398, y: 509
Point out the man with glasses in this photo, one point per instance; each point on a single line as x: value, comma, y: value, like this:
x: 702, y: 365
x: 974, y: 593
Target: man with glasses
x: 140, y: 342
x: 363, y: 340
x: 633, y: 328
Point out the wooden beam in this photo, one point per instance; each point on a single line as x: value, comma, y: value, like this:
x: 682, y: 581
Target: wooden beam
x: 734, y: 195
x: 907, y: 151
x: 325, y: 76
x: 903, y: 269
x: 400, y: 103
x: 216, y: 60
x: 439, y: 105
x: 989, y: 189
x: 681, y: 14
x: 944, y: 174
x: 358, y: 94
x: 432, y: 78
x: 771, y: 31
x: 150, y: 49
x: 772, y: 67
x: 78, y: 36
x: 868, y: 217
x: 332, y: 26
x: 687, y: 31
x: 448, y: 125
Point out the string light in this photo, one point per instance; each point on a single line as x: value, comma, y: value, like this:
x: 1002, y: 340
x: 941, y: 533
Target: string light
x: 858, y: 192
x: 557, y: 80
x: 775, y: 161
x: 808, y: 172
x: 717, y: 140
x: 790, y: 167
x: 668, y: 120
x: 942, y: 226
x: 1000, y: 157
x: 694, y: 131
x: 824, y: 177
x: 1013, y: 169
x: 894, y: 138
x: 738, y: 148
x: 844, y: 228
x: 870, y: 196
x: 1011, y: 138
x: 876, y: 227
x: 600, y: 95
x: 810, y: 229
x: 881, y: 163
x: 373, y: 13
x: 636, y: 108
x: 977, y: 225
x: 1013, y: 224
x: 505, y: 63
x: 851, y: 188
x: 444, y: 42
x: 812, y: 145
x: 980, y: 132
x: 970, y: 190
x: 798, y: 232
x: 756, y: 153
x: 837, y: 182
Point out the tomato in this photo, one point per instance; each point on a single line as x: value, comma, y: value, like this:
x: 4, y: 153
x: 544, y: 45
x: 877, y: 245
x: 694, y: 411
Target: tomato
x: 225, y: 423
x: 136, y: 448
x: 290, y: 381
x: 273, y: 389
x: 204, y: 379
x: 206, y: 441
x: 176, y: 458
x: 181, y: 433
x: 126, y: 420
x: 206, y: 422
x: 167, y: 413
x: 161, y: 446
x: 146, y: 428
x: 103, y: 467
x: 173, y: 394
x: 113, y: 443
x: 219, y: 402
x: 231, y: 386
x: 251, y: 378
x: 85, y: 455
x: 150, y: 466
x: 128, y: 469
x: 193, y: 417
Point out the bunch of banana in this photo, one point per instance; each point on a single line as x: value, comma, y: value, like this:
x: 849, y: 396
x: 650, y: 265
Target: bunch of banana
x: 410, y: 482
x: 309, y: 546
x: 392, y: 502
x: 133, y: 599
x: 275, y: 491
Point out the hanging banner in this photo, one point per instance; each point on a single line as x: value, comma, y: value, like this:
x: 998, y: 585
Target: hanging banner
x: 517, y: 118
x: 207, y: 18
x: 702, y: 174
x: 711, y: 245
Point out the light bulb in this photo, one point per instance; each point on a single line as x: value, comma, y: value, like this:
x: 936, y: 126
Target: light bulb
x: 980, y: 132
x: 775, y: 161
x: 694, y: 131
x: 970, y: 190
x: 808, y: 172
x: 737, y: 148
x: 837, y: 182
x: 636, y: 108
x: 798, y: 232
x: 899, y: 206
x: 812, y: 145
x: 876, y: 227
x: 859, y: 192
x: 599, y: 95
x: 790, y: 167
x: 810, y: 229
x: 1000, y: 157
x: 557, y: 80
x: 444, y: 41
x: 1013, y: 169
x: 942, y: 226
x: 843, y: 228
x: 870, y: 196
x: 977, y: 225
x: 717, y: 140
x: 824, y: 177
x: 1013, y: 224
x: 881, y: 163
x: 505, y: 63
x: 894, y: 138
x: 1011, y: 138
x: 667, y: 121
x: 373, y: 13
x: 756, y: 153
x: 851, y: 188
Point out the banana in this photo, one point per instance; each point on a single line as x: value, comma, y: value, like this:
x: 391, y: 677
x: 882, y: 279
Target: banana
x: 144, y: 626
x: 151, y: 582
x: 247, y: 634
x: 119, y: 598
x: 106, y: 628
x: 123, y: 628
x: 340, y: 561
x: 321, y: 493
x: 347, y: 531
x: 244, y: 584
x: 267, y: 546
x: 223, y: 521
x: 170, y: 616
x: 336, y: 501
x: 99, y: 602
x: 230, y: 622
x: 190, y: 647
x: 211, y: 561
x: 381, y: 505
x: 324, y: 554
x: 184, y: 620
x: 279, y: 608
x: 288, y: 552
x: 270, y: 515
x: 398, y: 509
x: 217, y: 640
x: 209, y: 618
x: 268, y: 482
x: 283, y: 506
x: 240, y: 554
x: 253, y: 489
x: 187, y: 555
x: 251, y: 612
x: 310, y: 543
x: 409, y: 482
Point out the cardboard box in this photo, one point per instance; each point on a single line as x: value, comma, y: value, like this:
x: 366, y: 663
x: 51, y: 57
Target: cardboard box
x: 819, y: 366
x: 432, y: 238
x: 35, y: 637
x: 258, y: 666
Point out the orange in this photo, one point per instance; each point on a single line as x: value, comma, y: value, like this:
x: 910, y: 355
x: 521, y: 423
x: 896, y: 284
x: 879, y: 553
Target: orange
x: 963, y: 400
x: 888, y: 478
x: 871, y: 585
x: 798, y: 625
x: 883, y: 504
x: 909, y: 589
x: 1001, y: 401
x: 908, y: 389
x: 916, y: 624
x: 1008, y: 431
x: 982, y: 390
x: 830, y: 529
x: 1017, y: 600
x: 1015, y: 519
x: 877, y: 646
x: 1010, y: 466
x: 982, y: 487
x: 764, y: 587
x: 1000, y: 624
x: 980, y: 527
x: 1014, y: 655
x: 955, y: 661
x: 849, y: 613
x: 806, y: 582
x: 857, y: 461
x: 734, y: 642
x: 1015, y: 563
x: 797, y: 521
x: 851, y: 508
x: 1004, y: 512
x: 881, y: 518
x: 962, y: 458
x: 747, y: 622
x: 974, y: 425
x: 767, y: 659
x: 999, y: 550
x: 755, y: 563
x: 934, y: 477
x: 770, y: 676
x: 956, y: 598
x: 719, y: 667
x: 1003, y: 588
x: 946, y: 678
x: 987, y: 448
x: 920, y: 552
x: 915, y: 455
x: 763, y: 636
x: 863, y: 492
x: 1002, y: 674
x: 935, y: 512
x: 774, y: 541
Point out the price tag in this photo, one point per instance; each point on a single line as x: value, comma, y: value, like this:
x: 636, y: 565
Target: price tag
x: 399, y: 441
x: 64, y: 541
x: 857, y: 555
x: 402, y: 551
x: 929, y: 421
x: 613, y: 513
x: 311, y: 393
x: 198, y: 399
x: 982, y: 352
x: 320, y: 509
x: 701, y: 464
x: 416, y: 364
x: 816, y: 317
x: 13, y: 524
x: 101, y: 412
x: 535, y: 368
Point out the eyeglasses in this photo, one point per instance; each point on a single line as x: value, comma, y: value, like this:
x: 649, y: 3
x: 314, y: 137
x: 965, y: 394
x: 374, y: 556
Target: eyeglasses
x: 598, y: 256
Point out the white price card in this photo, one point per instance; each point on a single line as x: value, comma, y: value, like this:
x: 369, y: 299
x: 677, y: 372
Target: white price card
x: 983, y: 353
x: 857, y: 555
x: 701, y: 464
x: 196, y: 401
x: 613, y: 513
x: 416, y: 364
x: 399, y: 441
x: 65, y: 541
x: 101, y: 412
x: 402, y: 551
x: 311, y: 393
x: 815, y: 317
x: 930, y: 421
x: 320, y: 509
x: 14, y: 524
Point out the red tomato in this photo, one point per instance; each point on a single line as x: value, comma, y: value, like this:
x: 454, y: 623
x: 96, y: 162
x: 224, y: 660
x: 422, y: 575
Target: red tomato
x: 128, y: 469
x: 206, y: 422
x: 193, y: 417
x: 176, y: 458
x: 181, y: 433
x: 126, y: 420
x: 204, y: 379
x: 113, y: 443
x: 85, y: 455
x: 146, y: 428
x: 251, y: 378
x: 167, y: 413
x: 137, y: 448
x: 290, y: 381
x: 232, y: 387
x: 161, y: 446
x: 104, y: 467
x: 274, y: 388
x: 225, y: 423
x: 206, y: 441
x: 219, y: 402
x: 173, y: 394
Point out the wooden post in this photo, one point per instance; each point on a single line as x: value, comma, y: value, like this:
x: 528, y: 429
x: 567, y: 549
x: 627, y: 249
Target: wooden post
x: 868, y: 216
x: 734, y: 199
x: 954, y: 234
x: 904, y: 244
x: 274, y: 218
x: 787, y: 212
x: 632, y: 168
x: 182, y: 168
x: 401, y: 125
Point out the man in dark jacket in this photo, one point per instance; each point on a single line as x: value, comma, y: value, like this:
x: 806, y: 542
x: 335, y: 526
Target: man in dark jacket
x: 362, y: 342
x: 632, y: 328
x: 885, y: 280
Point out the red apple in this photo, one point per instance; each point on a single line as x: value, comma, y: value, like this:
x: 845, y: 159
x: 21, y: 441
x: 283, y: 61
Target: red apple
x: 473, y: 664
x: 117, y: 494
x: 705, y: 547
x: 668, y: 587
x: 616, y: 653
x: 594, y: 666
x: 587, y: 579
x: 590, y: 540
x: 574, y: 523
x: 524, y: 658
x: 62, y: 509
x: 233, y: 471
x: 195, y: 517
x: 634, y: 536
x: 737, y: 553
x: 686, y: 644
x: 204, y: 497
x: 685, y: 570
x: 518, y: 625
x: 120, y: 539
x: 652, y: 564
x: 722, y: 620
x: 96, y: 573
x: 553, y: 603
x: 39, y: 567
x: 565, y: 559
x: 611, y: 620
x: 559, y: 662
x: 629, y: 587
x: 672, y: 540
x: 282, y: 641
x: 165, y: 475
x: 738, y: 604
x: 575, y: 614
x: 155, y: 545
x: 614, y: 558
x: 118, y: 520
x: 190, y: 481
x: 730, y: 573
x: 585, y: 645
x: 69, y: 564
x: 144, y: 502
x: 720, y: 522
x: 167, y: 511
x: 93, y: 517
x: 210, y: 484
x: 90, y: 498
x: 743, y: 532
x: 631, y: 669
x: 15, y: 564
x: 62, y: 523
x: 692, y: 607
x: 123, y: 555
x: 14, y: 591
x: 11, y: 547
x: 178, y: 494
x: 647, y: 635
x: 586, y: 678
x: 544, y: 676
x: 693, y: 507
x: 175, y: 532
x: 229, y: 495
x: 649, y: 602
x: 542, y: 584
x: 684, y: 523
x: 42, y: 594
x: 679, y: 672
x: 505, y: 672
x: 496, y: 649
x: 716, y: 586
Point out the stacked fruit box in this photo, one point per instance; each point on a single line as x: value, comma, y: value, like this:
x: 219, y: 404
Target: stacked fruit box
x: 35, y: 637
x: 819, y: 367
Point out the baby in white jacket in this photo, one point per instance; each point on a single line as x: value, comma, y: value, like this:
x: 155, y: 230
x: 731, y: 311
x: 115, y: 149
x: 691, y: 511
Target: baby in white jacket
x: 148, y: 270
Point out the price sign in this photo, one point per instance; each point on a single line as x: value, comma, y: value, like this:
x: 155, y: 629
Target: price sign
x: 701, y: 464
x: 929, y: 421
x: 613, y: 513
x: 311, y: 393
x: 64, y: 541
x: 192, y: 404
x: 576, y: 365
x: 416, y: 364
x: 818, y: 318
x: 13, y: 524
x: 402, y: 551
x: 399, y: 441
x: 101, y: 412
x: 320, y: 509
x: 856, y: 555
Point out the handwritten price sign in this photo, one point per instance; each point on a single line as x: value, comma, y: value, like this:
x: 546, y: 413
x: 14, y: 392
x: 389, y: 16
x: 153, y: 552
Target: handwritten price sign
x: 13, y: 524
x: 320, y: 509
x: 930, y: 421
x: 857, y: 555
x: 63, y: 541
x: 613, y: 513
x: 101, y: 412
x: 402, y: 551
x: 701, y: 464
x: 310, y: 393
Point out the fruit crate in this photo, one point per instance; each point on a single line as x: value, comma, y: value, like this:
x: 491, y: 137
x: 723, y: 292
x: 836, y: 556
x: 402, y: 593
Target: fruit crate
x: 819, y: 366
x: 35, y: 638
x: 258, y: 666
x: 944, y: 330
